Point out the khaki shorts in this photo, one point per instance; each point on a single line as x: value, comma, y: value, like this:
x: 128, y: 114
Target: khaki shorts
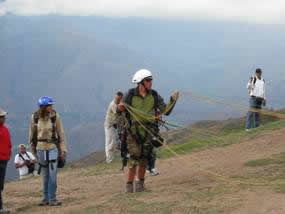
x: 138, y: 152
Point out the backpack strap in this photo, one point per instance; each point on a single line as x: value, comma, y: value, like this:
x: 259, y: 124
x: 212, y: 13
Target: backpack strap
x: 35, y: 133
x: 128, y: 100
x: 155, y: 97
x: 34, y: 140
x: 28, y: 156
x: 129, y: 97
x: 21, y: 156
x: 254, y: 80
x: 53, y: 121
x: 132, y: 92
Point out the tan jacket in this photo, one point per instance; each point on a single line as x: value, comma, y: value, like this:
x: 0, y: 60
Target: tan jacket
x: 45, y: 132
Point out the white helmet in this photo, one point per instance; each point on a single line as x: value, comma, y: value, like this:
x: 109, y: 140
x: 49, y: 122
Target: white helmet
x: 2, y: 113
x: 140, y: 75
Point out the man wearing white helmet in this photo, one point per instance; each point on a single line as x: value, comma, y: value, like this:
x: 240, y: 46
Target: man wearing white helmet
x: 144, y: 103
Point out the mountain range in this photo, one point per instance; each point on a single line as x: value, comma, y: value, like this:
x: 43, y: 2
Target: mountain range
x: 82, y: 61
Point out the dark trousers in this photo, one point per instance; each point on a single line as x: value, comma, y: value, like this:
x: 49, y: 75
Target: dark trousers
x: 3, y: 166
x: 151, y: 161
x: 253, y: 118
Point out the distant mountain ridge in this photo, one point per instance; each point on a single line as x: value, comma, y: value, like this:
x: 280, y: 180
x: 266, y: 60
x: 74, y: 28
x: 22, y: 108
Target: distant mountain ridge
x: 83, y: 61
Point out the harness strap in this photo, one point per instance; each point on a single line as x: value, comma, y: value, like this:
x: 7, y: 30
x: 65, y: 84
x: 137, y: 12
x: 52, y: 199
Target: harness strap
x: 20, y: 155
x: 46, y: 165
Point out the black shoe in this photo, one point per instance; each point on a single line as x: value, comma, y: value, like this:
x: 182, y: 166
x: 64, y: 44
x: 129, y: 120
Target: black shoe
x: 43, y: 203
x: 55, y: 203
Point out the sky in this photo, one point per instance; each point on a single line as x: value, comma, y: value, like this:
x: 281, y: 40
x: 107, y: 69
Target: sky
x: 258, y: 11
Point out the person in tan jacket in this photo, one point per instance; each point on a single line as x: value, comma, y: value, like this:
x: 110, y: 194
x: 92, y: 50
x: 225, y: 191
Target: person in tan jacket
x: 47, y: 140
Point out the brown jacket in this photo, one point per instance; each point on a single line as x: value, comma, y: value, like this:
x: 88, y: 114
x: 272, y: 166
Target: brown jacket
x: 45, y: 132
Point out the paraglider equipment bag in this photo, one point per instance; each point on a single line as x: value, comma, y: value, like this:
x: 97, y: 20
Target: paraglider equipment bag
x: 31, y: 166
x: 259, y: 101
x: 157, y: 141
x: 60, y: 162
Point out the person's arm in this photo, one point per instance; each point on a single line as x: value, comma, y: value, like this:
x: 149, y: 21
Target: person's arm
x: 33, y: 159
x: 113, y: 107
x: 121, y: 106
x: 264, y: 97
x: 167, y: 108
x: 18, y: 163
x: 249, y: 83
x: 9, y: 143
x: 61, y: 135
x: 31, y: 133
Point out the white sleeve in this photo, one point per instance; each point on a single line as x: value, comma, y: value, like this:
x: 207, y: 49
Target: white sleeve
x: 17, y: 159
x: 31, y: 156
x: 113, y: 108
x: 249, y: 84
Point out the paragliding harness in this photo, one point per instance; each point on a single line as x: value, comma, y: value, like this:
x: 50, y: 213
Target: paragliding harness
x: 54, y: 139
x: 155, y: 139
x: 123, y: 146
x: 31, y: 166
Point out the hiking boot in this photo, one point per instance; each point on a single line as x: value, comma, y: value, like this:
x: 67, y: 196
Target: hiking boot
x: 129, y: 187
x: 43, y: 203
x: 4, y: 211
x: 140, y: 186
x: 55, y: 203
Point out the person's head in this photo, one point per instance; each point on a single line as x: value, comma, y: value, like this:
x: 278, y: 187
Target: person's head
x: 2, y: 116
x: 22, y: 149
x: 258, y: 72
x: 143, y: 77
x: 118, y: 97
x: 46, y: 105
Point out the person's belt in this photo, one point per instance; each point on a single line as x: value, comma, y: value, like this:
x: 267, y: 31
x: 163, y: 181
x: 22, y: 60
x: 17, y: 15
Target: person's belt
x: 256, y: 97
x: 45, y: 140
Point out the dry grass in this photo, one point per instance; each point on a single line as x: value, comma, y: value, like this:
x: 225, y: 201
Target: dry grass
x: 184, y: 185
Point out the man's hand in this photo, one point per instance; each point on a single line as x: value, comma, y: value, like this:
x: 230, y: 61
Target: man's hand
x: 121, y: 107
x: 62, y: 155
x: 175, y: 95
x: 158, y: 116
x: 18, y: 165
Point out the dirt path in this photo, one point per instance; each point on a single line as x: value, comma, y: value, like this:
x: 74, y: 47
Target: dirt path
x: 184, y: 185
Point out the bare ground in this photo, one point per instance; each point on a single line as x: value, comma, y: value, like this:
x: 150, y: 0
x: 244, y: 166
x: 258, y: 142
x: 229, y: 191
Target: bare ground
x: 205, y: 182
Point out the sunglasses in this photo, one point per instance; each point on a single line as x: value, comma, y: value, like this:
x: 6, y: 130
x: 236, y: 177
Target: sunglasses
x: 148, y: 80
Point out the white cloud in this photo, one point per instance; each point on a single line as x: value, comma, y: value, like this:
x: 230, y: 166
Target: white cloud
x: 263, y: 11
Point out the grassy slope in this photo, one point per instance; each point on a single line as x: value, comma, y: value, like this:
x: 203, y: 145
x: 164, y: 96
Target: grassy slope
x: 203, y: 196
x: 225, y: 133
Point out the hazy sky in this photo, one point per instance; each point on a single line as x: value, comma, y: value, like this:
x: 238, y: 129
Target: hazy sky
x: 260, y: 11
